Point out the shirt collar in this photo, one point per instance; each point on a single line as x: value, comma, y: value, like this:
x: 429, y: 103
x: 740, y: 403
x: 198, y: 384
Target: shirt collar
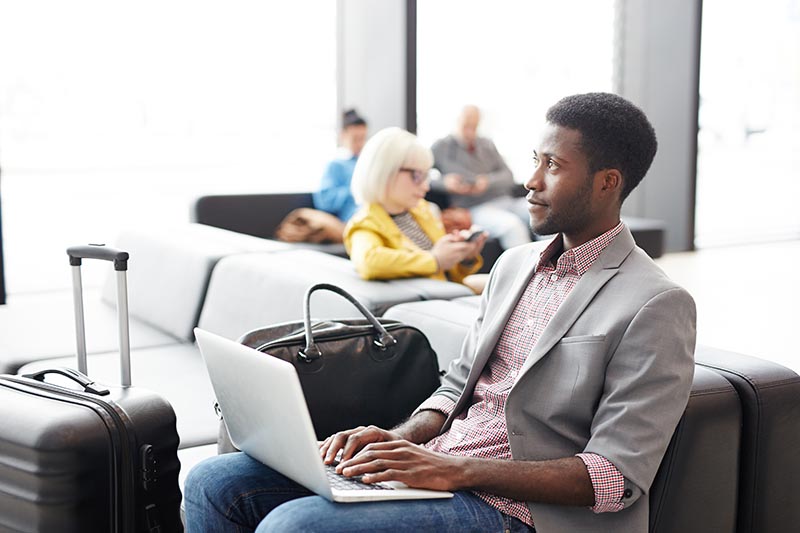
x: 580, y: 258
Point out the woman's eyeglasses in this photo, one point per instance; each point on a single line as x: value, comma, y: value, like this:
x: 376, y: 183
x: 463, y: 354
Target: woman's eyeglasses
x: 417, y: 176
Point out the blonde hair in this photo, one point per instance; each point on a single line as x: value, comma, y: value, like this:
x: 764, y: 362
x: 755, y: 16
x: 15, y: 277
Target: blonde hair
x: 383, y: 156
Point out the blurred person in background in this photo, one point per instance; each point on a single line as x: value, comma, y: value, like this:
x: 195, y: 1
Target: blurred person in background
x: 334, y: 194
x: 396, y: 233
x: 475, y: 176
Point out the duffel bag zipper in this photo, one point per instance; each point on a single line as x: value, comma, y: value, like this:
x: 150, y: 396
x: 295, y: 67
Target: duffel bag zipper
x: 335, y: 337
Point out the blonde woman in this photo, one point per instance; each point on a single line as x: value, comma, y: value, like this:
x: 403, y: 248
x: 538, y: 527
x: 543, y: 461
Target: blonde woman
x: 396, y: 233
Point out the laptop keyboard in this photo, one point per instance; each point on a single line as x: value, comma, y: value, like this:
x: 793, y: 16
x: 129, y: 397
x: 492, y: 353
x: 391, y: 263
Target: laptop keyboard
x: 340, y: 482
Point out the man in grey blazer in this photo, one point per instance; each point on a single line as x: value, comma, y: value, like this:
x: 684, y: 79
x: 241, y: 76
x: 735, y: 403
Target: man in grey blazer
x: 567, y: 390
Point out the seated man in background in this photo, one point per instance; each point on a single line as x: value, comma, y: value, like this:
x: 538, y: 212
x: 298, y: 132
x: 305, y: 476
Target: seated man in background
x: 476, y: 177
x: 567, y: 390
x: 334, y: 194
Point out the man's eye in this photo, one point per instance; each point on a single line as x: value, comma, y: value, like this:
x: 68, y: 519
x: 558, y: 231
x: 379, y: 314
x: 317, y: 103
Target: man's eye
x: 536, y: 161
x: 552, y: 165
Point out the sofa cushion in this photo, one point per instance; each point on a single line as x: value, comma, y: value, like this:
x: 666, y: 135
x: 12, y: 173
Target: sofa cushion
x: 176, y: 372
x: 42, y: 325
x: 444, y: 323
x: 254, y: 290
x: 169, y: 271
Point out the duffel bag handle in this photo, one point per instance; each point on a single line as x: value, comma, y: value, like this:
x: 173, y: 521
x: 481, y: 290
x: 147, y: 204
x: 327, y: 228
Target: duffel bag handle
x: 311, y: 351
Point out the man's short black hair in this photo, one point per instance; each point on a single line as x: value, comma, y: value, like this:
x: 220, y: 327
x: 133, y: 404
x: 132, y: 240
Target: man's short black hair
x: 614, y: 132
x: 352, y: 118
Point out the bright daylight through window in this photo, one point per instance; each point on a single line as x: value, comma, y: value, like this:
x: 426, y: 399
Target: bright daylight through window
x: 749, y: 141
x: 513, y: 60
x: 115, y: 115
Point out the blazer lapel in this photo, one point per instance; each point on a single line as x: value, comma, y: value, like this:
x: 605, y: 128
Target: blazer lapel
x: 495, y: 322
x: 605, y: 268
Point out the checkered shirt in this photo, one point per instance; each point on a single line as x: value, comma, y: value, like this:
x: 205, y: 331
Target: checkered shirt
x: 481, y: 431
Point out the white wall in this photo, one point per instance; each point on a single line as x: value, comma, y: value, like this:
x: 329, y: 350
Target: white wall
x: 658, y: 70
x: 372, y: 60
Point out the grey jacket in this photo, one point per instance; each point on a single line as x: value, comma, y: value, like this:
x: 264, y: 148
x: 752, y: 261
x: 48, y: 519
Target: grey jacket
x: 450, y: 156
x: 610, y: 374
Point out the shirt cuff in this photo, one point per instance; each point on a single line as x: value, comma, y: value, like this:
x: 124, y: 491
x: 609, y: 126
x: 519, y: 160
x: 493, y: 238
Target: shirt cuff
x: 607, y: 481
x: 437, y: 402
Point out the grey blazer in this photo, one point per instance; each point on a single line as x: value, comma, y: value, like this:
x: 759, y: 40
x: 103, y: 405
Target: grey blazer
x: 610, y: 374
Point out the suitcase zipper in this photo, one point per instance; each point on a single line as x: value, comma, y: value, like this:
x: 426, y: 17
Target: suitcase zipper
x: 125, y: 469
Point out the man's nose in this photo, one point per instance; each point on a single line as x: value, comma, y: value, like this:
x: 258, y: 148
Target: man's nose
x: 535, y: 181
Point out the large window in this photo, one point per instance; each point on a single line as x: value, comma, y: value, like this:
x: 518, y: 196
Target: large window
x: 512, y: 59
x: 749, y: 144
x: 116, y: 115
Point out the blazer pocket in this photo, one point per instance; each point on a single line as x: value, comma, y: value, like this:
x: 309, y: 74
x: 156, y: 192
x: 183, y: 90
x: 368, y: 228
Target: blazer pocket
x: 582, y: 338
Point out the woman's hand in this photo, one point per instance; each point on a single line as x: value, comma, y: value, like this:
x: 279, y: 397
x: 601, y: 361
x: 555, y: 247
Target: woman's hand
x: 451, y: 249
x: 478, y: 242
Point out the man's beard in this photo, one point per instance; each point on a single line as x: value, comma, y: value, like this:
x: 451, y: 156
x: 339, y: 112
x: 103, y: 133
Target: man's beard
x: 574, y: 218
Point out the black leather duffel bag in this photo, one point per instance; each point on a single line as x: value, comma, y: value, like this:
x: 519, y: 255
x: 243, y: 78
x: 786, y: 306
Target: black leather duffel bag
x: 353, y: 371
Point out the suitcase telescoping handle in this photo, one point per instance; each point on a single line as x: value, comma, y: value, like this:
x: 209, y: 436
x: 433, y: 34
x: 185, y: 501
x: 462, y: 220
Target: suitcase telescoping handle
x: 120, y: 260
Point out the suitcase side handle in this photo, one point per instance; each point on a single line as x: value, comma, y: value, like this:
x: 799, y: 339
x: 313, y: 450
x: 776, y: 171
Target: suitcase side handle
x: 87, y: 384
x: 98, y: 251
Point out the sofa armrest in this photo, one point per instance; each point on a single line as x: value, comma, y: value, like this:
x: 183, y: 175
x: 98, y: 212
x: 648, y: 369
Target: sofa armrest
x: 769, y: 466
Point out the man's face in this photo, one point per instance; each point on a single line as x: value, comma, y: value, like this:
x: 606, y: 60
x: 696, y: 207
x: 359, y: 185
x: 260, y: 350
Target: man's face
x: 561, y: 188
x: 468, y: 125
x: 354, y: 138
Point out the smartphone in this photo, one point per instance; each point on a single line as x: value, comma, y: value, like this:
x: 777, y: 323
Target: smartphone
x: 475, y: 232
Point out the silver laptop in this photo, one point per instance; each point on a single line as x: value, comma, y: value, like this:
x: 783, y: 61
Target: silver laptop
x: 264, y: 408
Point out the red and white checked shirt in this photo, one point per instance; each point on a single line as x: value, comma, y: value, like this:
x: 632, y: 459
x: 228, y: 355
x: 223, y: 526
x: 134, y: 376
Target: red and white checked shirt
x: 481, y: 431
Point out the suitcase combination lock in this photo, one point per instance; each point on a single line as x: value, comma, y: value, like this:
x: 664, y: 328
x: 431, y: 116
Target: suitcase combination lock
x: 149, y: 467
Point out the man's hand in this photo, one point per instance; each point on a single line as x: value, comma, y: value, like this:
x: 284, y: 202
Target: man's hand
x: 352, y: 441
x: 481, y: 184
x: 421, y: 427
x: 455, y: 184
x: 408, y: 463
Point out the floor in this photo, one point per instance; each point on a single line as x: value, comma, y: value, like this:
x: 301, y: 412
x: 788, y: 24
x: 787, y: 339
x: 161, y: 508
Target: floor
x: 741, y: 306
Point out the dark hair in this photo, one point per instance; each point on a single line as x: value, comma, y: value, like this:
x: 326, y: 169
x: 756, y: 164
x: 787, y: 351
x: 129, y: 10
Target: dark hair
x: 614, y: 134
x: 352, y: 118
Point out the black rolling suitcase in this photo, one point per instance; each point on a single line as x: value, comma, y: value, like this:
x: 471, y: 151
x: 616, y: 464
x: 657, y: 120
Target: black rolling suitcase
x: 87, y: 457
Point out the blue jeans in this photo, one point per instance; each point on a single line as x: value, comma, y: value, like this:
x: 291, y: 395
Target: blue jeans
x: 234, y: 492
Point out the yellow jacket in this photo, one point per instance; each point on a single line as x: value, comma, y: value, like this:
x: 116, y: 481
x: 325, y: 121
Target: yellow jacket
x: 379, y: 250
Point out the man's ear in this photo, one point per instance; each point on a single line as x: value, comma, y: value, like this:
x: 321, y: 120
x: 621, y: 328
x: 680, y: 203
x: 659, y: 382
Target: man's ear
x: 610, y: 181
